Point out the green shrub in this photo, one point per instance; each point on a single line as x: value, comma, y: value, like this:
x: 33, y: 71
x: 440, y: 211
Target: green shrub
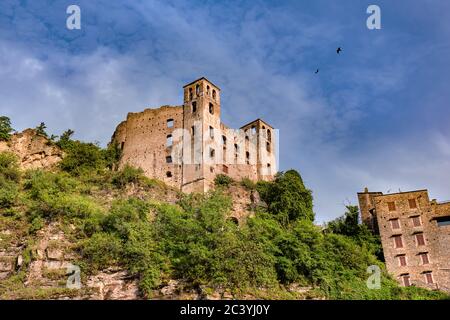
x: 223, y: 180
x: 248, y: 184
x: 40, y: 185
x: 9, y: 191
x: 102, y: 250
x: 83, y: 157
x: 127, y: 175
x: 9, y: 167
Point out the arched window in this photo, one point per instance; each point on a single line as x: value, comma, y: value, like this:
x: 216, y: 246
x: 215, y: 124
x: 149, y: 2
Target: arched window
x: 211, y: 132
x: 207, y: 90
x: 247, y: 157
x: 197, y: 90
x: 194, y: 107
x: 169, y: 123
x: 212, y: 153
x: 269, y: 135
x: 224, y: 140
x: 190, y: 94
x: 214, y: 94
x: 169, y: 141
x: 211, y: 108
x: 268, y: 146
x: 236, y: 148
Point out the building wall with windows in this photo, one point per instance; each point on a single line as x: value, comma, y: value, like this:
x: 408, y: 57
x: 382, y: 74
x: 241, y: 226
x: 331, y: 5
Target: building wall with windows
x: 187, y: 146
x: 415, y: 235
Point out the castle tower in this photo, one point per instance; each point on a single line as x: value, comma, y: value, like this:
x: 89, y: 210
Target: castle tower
x: 201, y: 140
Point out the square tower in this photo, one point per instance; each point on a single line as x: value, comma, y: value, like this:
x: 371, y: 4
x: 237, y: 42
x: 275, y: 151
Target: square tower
x: 201, y: 132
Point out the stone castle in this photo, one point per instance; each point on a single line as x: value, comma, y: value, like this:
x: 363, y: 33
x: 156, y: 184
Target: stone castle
x: 415, y: 235
x: 187, y: 146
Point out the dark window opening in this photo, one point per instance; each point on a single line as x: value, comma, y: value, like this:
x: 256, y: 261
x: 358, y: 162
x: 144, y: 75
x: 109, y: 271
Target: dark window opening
x: 212, y: 153
x: 428, y: 277
x: 269, y: 135
x: 416, y: 221
x: 169, y: 141
x: 211, y: 108
x: 395, y: 224
x: 443, y: 221
x: 211, y: 132
x: 391, y: 206
x: 169, y: 174
x: 402, y: 260
x: 214, y: 94
x: 420, y: 239
x: 194, y: 107
x: 225, y: 169
x: 193, y: 131
x: 207, y: 90
x: 398, y: 241
x: 268, y: 146
x: 406, y: 280
x: 224, y: 140
x: 190, y: 94
x: 412, y: 203
x: 122, y: 145
x: 168, y: 159
x: 197, y: 90
x: 424, y: 258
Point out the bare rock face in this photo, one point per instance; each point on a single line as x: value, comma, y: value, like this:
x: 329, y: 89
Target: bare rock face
x: 113, y: 284
x: 34, y: 151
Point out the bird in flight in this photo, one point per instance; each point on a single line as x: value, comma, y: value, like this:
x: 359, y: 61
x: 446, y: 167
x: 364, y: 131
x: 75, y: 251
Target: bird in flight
x: 339, y: 50
x: 317, y: 71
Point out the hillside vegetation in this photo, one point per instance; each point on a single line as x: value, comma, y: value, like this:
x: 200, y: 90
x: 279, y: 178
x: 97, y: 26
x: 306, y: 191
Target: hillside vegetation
x: 123, y: 219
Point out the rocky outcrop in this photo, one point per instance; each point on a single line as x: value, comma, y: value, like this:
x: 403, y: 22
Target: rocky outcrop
x: 34, y: 151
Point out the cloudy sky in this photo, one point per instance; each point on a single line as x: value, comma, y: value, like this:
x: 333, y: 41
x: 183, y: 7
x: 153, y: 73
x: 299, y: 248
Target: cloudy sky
x: 377, y: 115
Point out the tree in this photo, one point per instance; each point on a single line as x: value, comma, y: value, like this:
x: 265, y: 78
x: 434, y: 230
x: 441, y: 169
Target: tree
x: 40, y: 130
x: 5, y: 128
x: 65, y: 141
x: 287, y: 197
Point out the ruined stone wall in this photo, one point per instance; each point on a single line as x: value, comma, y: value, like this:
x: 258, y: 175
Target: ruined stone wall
x: 144, y: 140
x: 202, y: 146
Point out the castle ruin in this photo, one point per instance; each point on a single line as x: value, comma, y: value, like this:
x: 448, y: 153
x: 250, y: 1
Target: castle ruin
x: 187, y: 146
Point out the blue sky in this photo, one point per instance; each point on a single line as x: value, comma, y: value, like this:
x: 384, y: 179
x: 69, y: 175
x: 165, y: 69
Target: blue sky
x: 377, y: 115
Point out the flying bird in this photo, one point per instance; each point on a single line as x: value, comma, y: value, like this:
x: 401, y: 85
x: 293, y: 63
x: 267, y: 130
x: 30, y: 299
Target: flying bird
x: 339, y: 50
x: 317, y: 71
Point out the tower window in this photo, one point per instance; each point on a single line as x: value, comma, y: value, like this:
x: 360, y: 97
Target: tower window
x: 197, y: 90
x: 214, y: 94
x: 395, y: 224
x: 122, y: 145
x: 169, y: 174
x: 398, y: 242
x: 253, y: 131
x: 391, y: 206
x: 269, y: 135
x: 420, y: 239
x: 211, y: 132
x: 190, y: 94
x: 168, y: 159
x: 194, y: 107
x: 429, y: 277
x: 169, y: 141
x: 169, y: 123
x: 412, y: 203
x: 225, y: 169
x: 212, y: 153
x: 406, y: 280
x: 416, y: 221
x: 247, y: 157
x: 401, y: 260
x: 207, y: 90
x: 211, y: 108
x: 236, y: 148
x: 193, y: 131
x: 424, y: 258
x: 268, y: 165
x: 268, y: 146
x: 224, y: 140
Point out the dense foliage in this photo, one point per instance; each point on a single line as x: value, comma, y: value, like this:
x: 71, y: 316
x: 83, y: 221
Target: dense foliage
x: 194, y: 239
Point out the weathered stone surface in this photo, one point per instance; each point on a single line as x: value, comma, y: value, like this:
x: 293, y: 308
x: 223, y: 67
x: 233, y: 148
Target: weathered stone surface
x: 147, y: 141
x: 403, y: 219
x: 113, y: 284
x: 34, y: 151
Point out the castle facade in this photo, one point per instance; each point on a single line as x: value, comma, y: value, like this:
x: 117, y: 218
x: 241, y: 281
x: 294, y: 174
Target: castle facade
x: 187, y: 146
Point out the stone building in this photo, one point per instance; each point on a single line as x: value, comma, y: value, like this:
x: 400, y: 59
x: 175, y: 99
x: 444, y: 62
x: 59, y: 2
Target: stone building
x: 187, y: 146
x: 415, y: 235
